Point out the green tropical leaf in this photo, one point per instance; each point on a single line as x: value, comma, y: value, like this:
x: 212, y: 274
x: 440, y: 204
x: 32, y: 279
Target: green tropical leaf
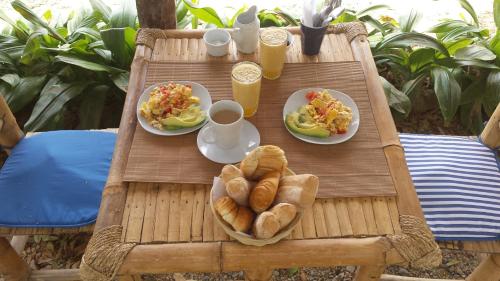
x: 447, y: 26
x: 70, y: 59
x: 459, y: 44
x: 52, y: 101
x: 101, y: 7
x: 412, y: 84
x: 447, y: 90
x: 495, y: 45
x: 453, y: 62
x: 459, y: 32
x: 471, y: 117
x: 475, y: 52
x: 121, y: 80
x: 12, y: 79
x: 91, y: 107
x: 496, y: 14
x: 371, y: 9
x: 411, y: 39
x: 24, y: 92
x: 287, y: 18
x: 6, y: 59
x: 421, y: 58
x: 125, y: 15
x: 29, y: 15
x: 121, y: 43
x: 397, y: 100
x: 180, y: 10
x: 205, y: 14
x: 492, y: 93
x: 468, y: 7
x: 22, y: 33
x: 408, y: 22
x: 473, y: 92
x: 374, y: 23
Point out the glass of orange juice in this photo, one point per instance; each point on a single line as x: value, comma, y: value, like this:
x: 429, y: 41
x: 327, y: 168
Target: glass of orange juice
x: 246, y: 81
x: 273, y: 46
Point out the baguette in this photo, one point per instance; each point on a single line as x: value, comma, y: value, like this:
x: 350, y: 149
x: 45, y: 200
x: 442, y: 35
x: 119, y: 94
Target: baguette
x: 262, y: 160
x: 239, y: 217
x: 270, y: 222
x: 299, y: 190
x: 262, y: 195
x: 237, y: 187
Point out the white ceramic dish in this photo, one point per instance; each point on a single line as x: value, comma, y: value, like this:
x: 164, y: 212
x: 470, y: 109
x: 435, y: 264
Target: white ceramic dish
x: 198, y: 91
x: 298, y: 99
x: 249, y: 140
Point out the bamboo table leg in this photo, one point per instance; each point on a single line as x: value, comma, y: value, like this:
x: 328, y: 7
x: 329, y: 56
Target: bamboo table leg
x: 261, y: 274
x: 487, y: 270
x: 369, y: 273
x: 11, y: 265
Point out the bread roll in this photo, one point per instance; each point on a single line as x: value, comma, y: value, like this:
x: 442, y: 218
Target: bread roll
x: 239, y: 217
x: 285, y: 212
x: 237, y: 187
x: 262, y: 160
x: 262, y: 195
x: 266, y: 225
x: 299, y: 190
x: 270, y: 222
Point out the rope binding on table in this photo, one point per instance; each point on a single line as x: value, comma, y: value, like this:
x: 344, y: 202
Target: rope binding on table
x: 416, y: 243
x: 148, y: 36
x: 104, y: 255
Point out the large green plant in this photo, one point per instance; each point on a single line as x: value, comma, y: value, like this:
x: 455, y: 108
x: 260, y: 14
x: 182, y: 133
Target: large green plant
x: 82, y: 61
x: 459, y: 58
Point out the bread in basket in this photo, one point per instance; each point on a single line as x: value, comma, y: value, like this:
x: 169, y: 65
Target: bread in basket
x: 261, y: 201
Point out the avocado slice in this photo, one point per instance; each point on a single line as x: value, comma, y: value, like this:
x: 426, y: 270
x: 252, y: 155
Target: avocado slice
x: 308, y: 129
x: 174, y: 123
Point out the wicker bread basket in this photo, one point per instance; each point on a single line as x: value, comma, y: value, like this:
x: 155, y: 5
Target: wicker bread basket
x: 245, y: 238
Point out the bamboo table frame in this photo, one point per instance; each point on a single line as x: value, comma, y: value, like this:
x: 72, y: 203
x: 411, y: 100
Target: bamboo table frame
x: 331, y: 232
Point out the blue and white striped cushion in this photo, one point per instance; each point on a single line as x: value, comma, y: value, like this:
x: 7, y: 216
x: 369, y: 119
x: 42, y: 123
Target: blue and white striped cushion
x: 458, y: 183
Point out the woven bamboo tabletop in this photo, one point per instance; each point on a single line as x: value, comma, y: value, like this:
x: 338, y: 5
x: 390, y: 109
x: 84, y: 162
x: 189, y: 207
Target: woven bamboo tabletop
x: 172, y: 224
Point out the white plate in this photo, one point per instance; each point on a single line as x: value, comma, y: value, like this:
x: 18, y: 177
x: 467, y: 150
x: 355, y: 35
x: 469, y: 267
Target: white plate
x: 198, y: 91
x: 249, y: 140
x: 298, y: 99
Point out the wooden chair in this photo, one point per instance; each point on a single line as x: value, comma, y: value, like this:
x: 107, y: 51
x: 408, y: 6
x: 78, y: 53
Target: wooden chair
x: 12, y: 266
x: 489, y: 268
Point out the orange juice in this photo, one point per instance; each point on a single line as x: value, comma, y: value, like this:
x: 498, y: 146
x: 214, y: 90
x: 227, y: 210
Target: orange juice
x: 246, y: 77
x: 273, y: 43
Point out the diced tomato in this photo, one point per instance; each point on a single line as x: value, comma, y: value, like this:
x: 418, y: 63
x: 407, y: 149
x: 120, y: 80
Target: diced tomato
x: 311, y: 95
x: 341, y: 131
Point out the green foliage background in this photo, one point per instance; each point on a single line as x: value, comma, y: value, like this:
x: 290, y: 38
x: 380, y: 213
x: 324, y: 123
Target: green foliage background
x: 77, y: 67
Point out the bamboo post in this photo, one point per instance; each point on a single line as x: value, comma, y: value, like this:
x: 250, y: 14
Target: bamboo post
x: 491, y: 133
x: 115, y: 192
x: 488, y: 269
x: 156, y: 14
x: 369, y: 273
x: 11, y: 265
x: 261, y: 274
x: 10, y: 133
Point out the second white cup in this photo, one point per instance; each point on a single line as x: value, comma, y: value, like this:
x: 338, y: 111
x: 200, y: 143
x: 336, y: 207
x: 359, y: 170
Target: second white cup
x: 217, y: 42
x: 225, y: 120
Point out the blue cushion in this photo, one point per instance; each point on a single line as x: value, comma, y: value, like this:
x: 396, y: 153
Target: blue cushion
x: 458, y: 183
x: 55, y: 179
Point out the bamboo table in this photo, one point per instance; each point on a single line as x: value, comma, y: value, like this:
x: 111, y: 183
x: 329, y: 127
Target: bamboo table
x: 161, y: 227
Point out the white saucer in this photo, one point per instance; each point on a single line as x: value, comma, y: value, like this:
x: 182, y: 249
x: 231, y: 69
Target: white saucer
x: 249, y: 140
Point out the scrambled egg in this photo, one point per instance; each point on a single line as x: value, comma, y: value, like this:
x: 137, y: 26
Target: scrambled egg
x: 171, y: 100
x: 329, y: 112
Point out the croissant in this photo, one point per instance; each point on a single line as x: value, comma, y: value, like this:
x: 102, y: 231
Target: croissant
x: 262, y: 160
x: 299, y: 190
x: 270, y: 222
x: 237, y: 187
x: 262, y: 196
x: 239, y: 217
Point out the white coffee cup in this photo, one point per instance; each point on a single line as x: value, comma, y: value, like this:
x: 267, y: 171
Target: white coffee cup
x: 217, y: 42
x: 225, y: 136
